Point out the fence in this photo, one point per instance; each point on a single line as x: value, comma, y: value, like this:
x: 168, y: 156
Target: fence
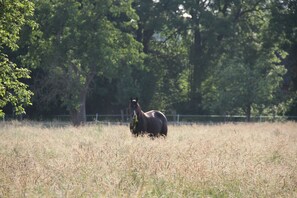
x: 182, y: 119
x: 172, y: 118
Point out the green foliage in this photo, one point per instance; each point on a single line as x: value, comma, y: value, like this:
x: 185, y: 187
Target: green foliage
x: 283, y: 29
x: 13, y: 16
x: 186, y: 56
x: 164, y: 79
x: 170, y: 70
x: 247, y: 78
x: 80, y: 41
x: 235, y: 87
x: 11, y: 89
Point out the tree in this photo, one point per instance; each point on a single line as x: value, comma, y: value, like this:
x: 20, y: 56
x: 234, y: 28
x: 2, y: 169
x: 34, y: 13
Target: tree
x: 79, y: 41
x: 210, y: 27
x: 199, y: 56
x: 243, y: 88
x: 165, y: 70
x: 250, y: 73
x: 14, y: 14
x: 283, y: 26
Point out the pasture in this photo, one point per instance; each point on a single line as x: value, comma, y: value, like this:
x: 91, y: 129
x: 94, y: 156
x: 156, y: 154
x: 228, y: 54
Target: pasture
x: 224, y: 160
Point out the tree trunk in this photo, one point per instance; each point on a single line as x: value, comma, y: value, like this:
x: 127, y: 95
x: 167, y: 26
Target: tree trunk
x: 248, y: 113
x: 78, y: 116
x: 197, y: 70
x: 144, y: 36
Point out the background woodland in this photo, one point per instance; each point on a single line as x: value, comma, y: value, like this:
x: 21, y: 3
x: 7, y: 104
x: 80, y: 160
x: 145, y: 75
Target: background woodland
x: 193, y: 57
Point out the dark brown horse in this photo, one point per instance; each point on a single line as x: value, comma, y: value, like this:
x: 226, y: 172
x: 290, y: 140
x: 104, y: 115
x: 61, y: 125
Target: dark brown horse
x: 152, y: 122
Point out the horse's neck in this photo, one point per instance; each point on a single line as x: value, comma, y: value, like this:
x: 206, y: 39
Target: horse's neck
x: 141, y: 114
x: 141, y: 121
x: 139, y: 111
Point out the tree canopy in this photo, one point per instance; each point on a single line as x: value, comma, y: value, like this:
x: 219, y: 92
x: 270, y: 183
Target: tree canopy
x: 201, y: 57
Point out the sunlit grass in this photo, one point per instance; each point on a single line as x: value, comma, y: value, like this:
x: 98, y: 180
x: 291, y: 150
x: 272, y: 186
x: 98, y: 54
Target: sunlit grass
x: 227, y: 160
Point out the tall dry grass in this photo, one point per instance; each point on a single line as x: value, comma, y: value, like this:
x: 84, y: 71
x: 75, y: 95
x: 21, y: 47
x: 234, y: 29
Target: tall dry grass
x: 227, y: 160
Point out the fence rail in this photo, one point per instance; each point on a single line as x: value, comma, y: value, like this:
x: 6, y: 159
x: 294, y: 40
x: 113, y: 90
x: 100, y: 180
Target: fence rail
x: 172, y: 118
x: 181, y: 118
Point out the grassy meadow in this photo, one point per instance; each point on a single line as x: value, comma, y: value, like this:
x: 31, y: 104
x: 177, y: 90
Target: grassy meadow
x: 225, y: 160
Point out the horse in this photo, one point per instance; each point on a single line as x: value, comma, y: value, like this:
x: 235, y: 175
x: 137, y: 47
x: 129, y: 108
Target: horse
x: 152, y: 122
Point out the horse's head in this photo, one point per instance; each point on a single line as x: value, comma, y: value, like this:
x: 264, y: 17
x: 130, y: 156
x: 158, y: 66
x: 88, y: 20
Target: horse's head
x: 134, y: 106
x: 134, y: 110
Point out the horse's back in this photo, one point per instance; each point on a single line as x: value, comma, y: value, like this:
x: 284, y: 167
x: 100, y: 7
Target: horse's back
x: 156, y: 114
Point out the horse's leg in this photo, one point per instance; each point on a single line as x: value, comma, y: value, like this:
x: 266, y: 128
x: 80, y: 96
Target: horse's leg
x: 152, y: 136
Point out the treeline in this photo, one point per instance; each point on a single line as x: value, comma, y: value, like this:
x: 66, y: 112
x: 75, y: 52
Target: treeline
x: 200, y: 57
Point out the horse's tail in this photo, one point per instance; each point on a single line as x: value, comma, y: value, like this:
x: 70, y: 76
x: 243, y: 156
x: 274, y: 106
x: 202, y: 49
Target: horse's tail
x: 164, y: 128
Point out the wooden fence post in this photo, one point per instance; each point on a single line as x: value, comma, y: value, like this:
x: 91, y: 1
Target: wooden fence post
x: 122, y: 115
x: 96, y: 118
